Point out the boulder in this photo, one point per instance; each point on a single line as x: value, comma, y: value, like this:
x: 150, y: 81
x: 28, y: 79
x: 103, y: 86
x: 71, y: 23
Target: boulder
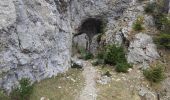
x: 76, y: 63
x: 146, y: 94
x: 142, y: 49
x: 81, y: 41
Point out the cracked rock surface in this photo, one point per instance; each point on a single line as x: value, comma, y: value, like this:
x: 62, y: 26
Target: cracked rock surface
x: 36, y: 35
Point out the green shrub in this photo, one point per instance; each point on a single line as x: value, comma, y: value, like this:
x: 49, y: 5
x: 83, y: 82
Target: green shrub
x: 122, y: 67
x: 150, y: 8
x: 161, y: 21
x: 155, y: 74
x: 114, y: 55
x: 137, y: 26
x: 165, y: 22
x: 163, y: 40
x: 88, y: 56
x: 24, y: 91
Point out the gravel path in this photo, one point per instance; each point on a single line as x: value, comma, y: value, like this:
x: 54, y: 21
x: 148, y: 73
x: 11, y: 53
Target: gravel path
x: 89, y: 91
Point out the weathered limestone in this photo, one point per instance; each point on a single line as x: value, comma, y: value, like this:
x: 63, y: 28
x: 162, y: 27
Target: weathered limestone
x: 142, y: 49
x: 36, y: 35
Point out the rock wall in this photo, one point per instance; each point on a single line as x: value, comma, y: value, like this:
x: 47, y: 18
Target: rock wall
x: 35, y: 41
x: 36, y: 35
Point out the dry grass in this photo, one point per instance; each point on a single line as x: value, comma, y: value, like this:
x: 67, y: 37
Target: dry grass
x: 63, y: 87
x: 119, y: 87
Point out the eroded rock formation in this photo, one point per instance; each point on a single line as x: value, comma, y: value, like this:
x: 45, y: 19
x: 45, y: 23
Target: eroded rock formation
x: 36, y: 35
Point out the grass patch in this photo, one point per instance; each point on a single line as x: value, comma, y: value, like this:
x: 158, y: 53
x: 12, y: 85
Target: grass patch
x: 63, y: 87
x: 137, y: 25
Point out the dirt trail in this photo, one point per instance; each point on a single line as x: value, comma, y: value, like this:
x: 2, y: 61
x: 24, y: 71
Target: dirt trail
x: 89, y: 91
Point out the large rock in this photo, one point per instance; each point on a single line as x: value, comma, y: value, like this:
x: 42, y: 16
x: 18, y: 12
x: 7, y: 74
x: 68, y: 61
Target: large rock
x: 94, y: 46
x: 36, y: 35
x: 142, y: 49
x: 7, y: 13
x: 81, y: 41
x: 76, y: 63
x: 147, y: 94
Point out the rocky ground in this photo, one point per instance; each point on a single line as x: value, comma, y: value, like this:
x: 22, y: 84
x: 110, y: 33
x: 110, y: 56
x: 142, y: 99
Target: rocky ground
x: 91, y: 83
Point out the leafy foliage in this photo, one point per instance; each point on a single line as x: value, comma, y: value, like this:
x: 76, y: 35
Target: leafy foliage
x: 155, y: 74
x: 114, y: 55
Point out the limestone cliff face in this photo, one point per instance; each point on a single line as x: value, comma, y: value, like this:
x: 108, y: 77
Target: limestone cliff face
x: 35, y: 40
x: 36, y: 35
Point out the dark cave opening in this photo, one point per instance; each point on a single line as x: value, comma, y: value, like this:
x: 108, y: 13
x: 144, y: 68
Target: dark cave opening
x: 87, y: 32
x: 91, y: 27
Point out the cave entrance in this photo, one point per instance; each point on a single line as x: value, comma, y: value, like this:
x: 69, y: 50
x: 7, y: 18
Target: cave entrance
x: 91, y: 27
x: 87, y: 30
